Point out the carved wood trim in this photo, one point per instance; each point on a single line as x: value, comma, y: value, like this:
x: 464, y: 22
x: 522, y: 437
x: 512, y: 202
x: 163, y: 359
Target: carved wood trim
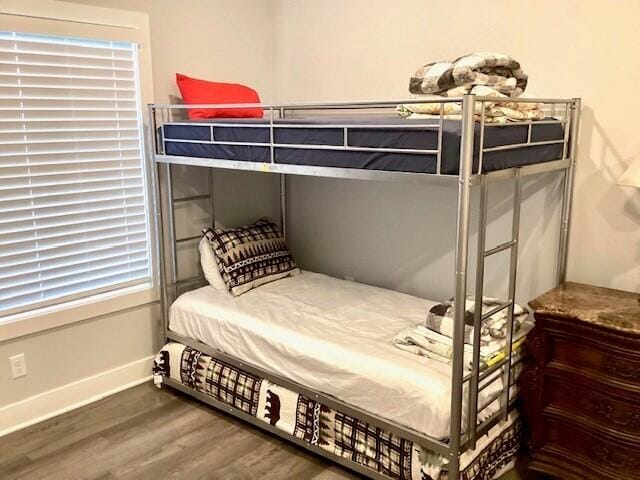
x: 613, y: 458
x: 609, y: 412
x: 622, y: 370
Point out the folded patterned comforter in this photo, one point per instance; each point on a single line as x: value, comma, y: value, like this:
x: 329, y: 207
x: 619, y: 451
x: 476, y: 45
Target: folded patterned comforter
x: 484, y: 74
x: 433, y: 339
x: 423, y: 341
x: 500, y: 72
x: 494, y: 112
x: 440, y: 319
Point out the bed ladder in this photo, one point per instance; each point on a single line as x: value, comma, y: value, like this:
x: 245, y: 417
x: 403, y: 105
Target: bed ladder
x: 509, y: 304
x: 172, y: 289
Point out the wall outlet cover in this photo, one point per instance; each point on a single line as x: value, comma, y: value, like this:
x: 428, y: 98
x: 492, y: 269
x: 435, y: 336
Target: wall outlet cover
x: 18, y: 366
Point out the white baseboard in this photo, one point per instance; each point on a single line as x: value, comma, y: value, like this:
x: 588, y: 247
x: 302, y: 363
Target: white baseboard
x: 54, y: 402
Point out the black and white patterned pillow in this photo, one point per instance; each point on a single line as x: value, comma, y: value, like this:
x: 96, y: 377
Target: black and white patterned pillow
x: 251, y: 255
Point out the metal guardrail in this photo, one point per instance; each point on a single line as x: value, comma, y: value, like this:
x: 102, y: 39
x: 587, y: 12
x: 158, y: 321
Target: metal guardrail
x: 275, y: 121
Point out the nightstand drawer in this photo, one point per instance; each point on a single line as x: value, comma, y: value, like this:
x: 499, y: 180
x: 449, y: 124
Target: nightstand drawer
x: 601, y: 456
x: 600, y: 406
x: 609, y: 364
x: 581, y: 384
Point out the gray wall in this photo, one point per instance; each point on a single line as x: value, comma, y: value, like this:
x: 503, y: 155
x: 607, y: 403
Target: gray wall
x: 402, y: 236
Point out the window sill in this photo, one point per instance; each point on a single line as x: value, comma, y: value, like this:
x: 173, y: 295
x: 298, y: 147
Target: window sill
x: 42, y: 319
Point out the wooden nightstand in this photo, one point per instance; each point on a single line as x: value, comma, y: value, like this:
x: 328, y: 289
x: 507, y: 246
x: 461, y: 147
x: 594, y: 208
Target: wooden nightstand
x: 581, y: 383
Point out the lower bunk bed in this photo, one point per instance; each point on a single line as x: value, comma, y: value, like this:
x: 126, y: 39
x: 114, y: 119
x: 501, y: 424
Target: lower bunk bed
x: 332, y: 336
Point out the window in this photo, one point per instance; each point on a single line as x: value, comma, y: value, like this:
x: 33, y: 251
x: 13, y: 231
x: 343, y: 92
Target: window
x: 73, y: 216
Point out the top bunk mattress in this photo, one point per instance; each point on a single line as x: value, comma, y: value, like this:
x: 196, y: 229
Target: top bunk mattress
x: 194, y: 139
x: 333, y: 336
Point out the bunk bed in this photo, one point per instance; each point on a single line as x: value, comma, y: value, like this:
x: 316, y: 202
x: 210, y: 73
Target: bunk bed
x: 292, y: 343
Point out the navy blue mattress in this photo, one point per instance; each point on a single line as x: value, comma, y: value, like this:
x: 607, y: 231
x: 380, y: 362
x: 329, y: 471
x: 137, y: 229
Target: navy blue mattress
x: 195, y: 134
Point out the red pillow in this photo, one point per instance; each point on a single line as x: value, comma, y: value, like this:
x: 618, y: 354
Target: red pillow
x: 196, y: 91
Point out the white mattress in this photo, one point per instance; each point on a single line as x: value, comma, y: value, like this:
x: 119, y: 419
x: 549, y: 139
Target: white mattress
x: 330, y: 335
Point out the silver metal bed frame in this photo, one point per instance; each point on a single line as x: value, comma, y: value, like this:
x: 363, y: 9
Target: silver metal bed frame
x: 461, y: 438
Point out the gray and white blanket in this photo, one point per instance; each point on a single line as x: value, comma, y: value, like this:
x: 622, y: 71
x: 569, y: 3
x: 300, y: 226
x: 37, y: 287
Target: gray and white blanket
x: 425, y: 342
x: 500, y: 72
x: 494, y: 112
x: 440, y: 319
x: 483, y: 74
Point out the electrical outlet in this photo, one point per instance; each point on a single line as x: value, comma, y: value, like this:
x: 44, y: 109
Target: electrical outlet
x: 18, y: 366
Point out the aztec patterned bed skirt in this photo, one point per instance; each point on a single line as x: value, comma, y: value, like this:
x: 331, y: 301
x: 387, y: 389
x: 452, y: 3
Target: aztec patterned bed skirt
x: 337, y: 433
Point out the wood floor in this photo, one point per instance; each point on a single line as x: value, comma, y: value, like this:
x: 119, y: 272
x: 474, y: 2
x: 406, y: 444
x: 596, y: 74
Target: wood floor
x: 146, y: 433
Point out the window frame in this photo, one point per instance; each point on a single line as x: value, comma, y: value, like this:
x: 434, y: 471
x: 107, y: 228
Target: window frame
x: 51, y: 17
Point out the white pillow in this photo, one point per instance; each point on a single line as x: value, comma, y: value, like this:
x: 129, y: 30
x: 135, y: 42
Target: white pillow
x: 210, y: 265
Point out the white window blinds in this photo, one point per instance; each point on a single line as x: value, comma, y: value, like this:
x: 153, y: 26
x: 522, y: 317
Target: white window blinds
x: 73, y: 218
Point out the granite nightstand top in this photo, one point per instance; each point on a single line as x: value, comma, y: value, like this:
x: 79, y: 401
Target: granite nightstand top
x: 614, y: 309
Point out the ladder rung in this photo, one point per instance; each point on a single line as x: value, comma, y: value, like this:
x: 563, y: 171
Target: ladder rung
x: 190, y: 199
x: 500, y: 248
x: 497, y: 309
x: 515, y: 360
x: 188, y: 239
x: 490, y: 400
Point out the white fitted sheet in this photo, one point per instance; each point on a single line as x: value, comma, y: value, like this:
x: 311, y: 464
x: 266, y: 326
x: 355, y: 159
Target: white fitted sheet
x: 333, y: 336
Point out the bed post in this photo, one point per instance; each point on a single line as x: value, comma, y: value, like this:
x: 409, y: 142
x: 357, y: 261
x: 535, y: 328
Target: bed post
x: 283, y: 204
x: 574, y: 124
x: 163, y: 186
x: 462, y: 243
x: 283, y: 194
x: 159, y: 222
x: 170, y: 277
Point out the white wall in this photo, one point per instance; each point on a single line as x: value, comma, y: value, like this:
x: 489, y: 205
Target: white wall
x: 223, y: 40
x: 365, y: 49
